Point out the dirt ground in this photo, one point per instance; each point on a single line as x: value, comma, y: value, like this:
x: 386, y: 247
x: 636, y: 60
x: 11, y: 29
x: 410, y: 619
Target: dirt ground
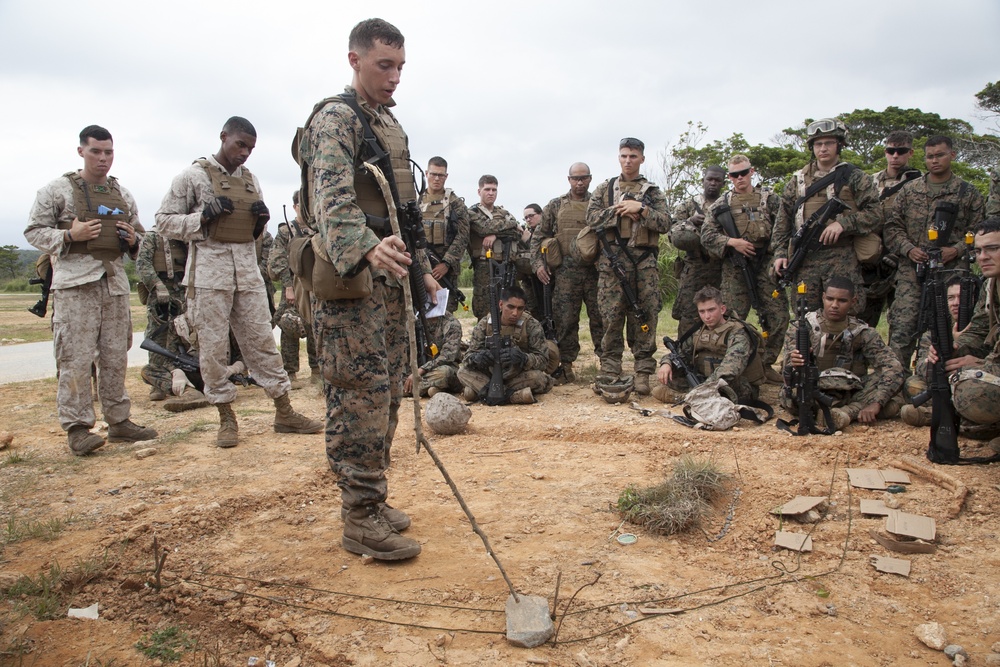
x: 254, y: 568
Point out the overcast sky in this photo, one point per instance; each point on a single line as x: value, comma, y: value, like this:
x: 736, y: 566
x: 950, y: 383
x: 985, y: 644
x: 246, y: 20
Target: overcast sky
x: 516, y: 89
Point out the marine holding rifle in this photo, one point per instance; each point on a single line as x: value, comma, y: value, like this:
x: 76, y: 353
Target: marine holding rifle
x: 846, y: 237
x: 737, y: 229
x: 446, y: 226
x: 523, y: 354
x: 856, y: 368
x: 628, y: 214
x: 488, y: 224
x: 723, y: 347
x: 939, y: 200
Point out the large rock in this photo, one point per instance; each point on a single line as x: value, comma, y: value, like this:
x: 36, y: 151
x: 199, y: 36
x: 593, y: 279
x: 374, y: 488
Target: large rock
x: 446, y: 415
x: 528, y: 621
x: 932, y: 635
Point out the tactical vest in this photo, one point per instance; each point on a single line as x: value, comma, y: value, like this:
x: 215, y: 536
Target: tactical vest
x: 572, y: 217
x: 170, y: 257
x: 814, y: 203
x: 751, y: 215
x: 87, y: 198
x: 710, y: 346
x: 643, y: 236
x: 392, y: 139
x: 235, y: 227
x: 518, y: 333
x: 436, y: 219
x: 836, y: 350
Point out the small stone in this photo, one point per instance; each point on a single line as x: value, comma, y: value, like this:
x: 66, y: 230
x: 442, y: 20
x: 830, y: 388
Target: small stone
x: 145, y: 452
x: 995, y: 648
x: 6, y: 439
x: 294, y: 662
x: 993, y: 659
x: 959, y: 660
x: 367, y: 559
x: 446, y: 415
x: 286, y: 638
x: 932, y: 635
x: 951, y: 650
x: 528, y: 621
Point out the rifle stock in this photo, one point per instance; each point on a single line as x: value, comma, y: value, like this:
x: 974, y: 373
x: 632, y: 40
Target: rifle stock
x: 807, y: 236
x: 622, y: 275
x: 679, y: 363
x: 724, y: 215
x: 805, y: 378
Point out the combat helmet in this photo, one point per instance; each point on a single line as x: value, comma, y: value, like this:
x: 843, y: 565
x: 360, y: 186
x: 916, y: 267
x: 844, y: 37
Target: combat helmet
x: 614, y: 390
x: 826, y: 127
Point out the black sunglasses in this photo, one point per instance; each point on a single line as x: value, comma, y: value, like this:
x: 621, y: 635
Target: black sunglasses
x: 737, y: 174
x: 892, y: 150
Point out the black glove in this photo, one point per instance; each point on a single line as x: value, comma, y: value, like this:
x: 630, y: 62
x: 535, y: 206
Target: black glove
x: 259, y: 208
x: 217, y: 207
x: 513, y: 357
x: 481, y: 360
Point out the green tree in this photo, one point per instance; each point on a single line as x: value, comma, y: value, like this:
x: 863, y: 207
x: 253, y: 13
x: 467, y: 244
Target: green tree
x: 10, y: 261
x: 988, y: 99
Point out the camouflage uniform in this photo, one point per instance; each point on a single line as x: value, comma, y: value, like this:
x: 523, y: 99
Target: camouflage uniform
x: 446, y: 226
x: 482, y: 223
x: 529, y: 282
x: 644, y: 274
x: 168, y: 282
x: 838, y: 259
x: 852, y: 346
x: 725, y: 352
x: 91, y: 322
x: 362, y: 341
x: 906, y: 228
x: 880, y: 279
x: 993, y: 203
x: 226, y: 289
x: 264, y: 245
x: 574, y: 283
x: 442, y: 371
x: 278, y: 269
x: 976, y: 391
x: 697, y: 269
x: 528, y: 335
x: 761, y: 205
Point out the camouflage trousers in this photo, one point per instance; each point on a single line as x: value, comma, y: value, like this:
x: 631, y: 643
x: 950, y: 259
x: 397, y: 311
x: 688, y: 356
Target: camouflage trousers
x: 904, y: 314
x: 244, y: 312
x: 695, y: 274
x: 90, y: 326
x: 290, y: 343
x: 976, y: 394
x: 826, y: 262
x: 166, y: 337
x: 615, y: 311
x: 480, y: 288
x: 362, y: 351
x: 537, y: 381
x: 574, y: 286
x: 775, y: 309
x: 443, y: 377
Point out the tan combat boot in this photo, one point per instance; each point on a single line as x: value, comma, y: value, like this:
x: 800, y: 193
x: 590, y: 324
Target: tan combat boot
x: 82, y: 441
x: 287, y: 420
x: 662, y: 393
x: 126, y: 431
x: 229, y: 430
x: 841, y: 419
x: 470, y: 394
x: 398, y: 519
x: 522, y: 397
x: 191, y: 399
x: 367, y: 532
x: 156, y: 394
x: 642, y: 384
x: 915, y: 416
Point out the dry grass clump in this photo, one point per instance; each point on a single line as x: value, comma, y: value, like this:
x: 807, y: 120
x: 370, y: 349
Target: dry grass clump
x: 677, y: 503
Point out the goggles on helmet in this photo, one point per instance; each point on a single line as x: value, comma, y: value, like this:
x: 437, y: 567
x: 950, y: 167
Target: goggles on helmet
x: 821, y: 126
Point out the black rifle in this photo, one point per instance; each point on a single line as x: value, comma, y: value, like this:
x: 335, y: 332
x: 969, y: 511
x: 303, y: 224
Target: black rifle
x: 807, y: 236
x: 41, y: 308
x: 943, y: 446
x: 619, y: 270
x: 805, y: 379
x: 447, y: 280
x: 970, y: 285
x: 190, y: 365
x: 724, y: 214
x: 412, y: 228
x: 938, y: 235
x: 505, y: 270
x: 548, y: 323
x: 680, y: 364
x: 496, y: 393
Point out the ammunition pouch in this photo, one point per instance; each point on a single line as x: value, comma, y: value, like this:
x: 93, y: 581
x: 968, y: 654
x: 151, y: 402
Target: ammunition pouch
x: 311, y: 265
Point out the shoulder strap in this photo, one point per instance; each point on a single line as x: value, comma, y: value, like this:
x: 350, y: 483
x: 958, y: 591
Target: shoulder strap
x: 908, y: 176
x: 611, y: 191
x: 379, y: 155
x: 841, y: 174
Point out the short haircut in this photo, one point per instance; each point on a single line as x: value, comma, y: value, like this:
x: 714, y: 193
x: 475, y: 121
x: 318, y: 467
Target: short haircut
x: 938, y: 139
x: 534, y: 207
x: 709, y: 293
x: 365, y: 34
x: 988, y: 226
x: 437, y: 161
x: 839, y: 282
x: 513, y: 292
x: 739, y: 158
x: 488, y: 178
x: 954, y: 280
x: 632, y: 142
x: 899, y: 138
x: 716, y: 168
x: 295, y: 198
x: 239, y: 124
x: 95, y: 132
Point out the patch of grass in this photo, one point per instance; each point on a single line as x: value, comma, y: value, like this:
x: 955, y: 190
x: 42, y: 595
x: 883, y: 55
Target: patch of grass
x: 40, y: 597
x: 17, y: 530
x: 678, y: 502
x: 15, y: 458
x: 167, y: 644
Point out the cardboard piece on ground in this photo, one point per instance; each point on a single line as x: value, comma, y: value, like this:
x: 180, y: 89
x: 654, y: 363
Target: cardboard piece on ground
x: 798, y: 505
x: 910, y: 525
x: 874, y: 507
x: 869, y: 478
x: 793, y: 541
x: 891, y: 565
